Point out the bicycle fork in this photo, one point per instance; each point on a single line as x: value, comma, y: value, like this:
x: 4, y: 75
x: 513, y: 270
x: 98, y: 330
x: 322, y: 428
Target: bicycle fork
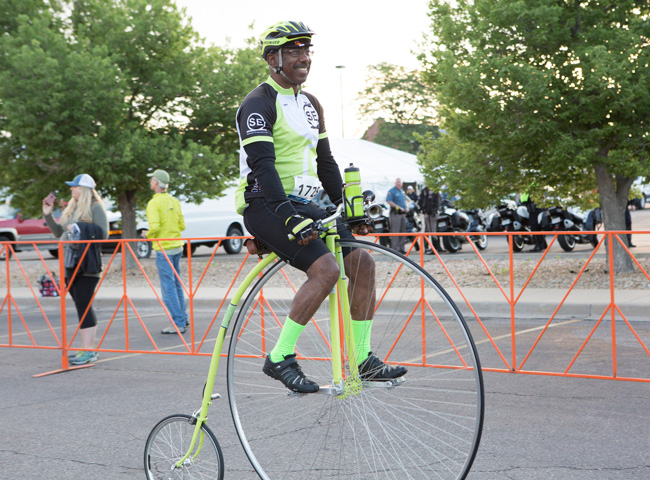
x: 340, y: 318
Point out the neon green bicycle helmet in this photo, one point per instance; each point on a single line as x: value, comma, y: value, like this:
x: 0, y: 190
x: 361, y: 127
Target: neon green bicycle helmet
x: 282, y: 33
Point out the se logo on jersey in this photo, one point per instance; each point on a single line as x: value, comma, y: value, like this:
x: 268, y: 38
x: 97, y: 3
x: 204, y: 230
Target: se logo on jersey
x: 255, y: 123
x: 311, y: 115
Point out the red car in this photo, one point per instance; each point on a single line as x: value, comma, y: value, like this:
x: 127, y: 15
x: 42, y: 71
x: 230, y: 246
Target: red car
x: 16, y: 227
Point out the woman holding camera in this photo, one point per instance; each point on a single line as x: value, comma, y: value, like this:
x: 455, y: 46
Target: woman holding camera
x: 84, y: 218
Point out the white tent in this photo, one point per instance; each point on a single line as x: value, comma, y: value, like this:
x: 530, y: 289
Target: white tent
x: 379, y: 166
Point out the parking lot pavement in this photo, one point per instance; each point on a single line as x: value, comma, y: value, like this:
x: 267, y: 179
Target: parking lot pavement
x: 92, y: 423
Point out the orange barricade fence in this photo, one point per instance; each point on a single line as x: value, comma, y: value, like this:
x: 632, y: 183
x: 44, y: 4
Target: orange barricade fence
x: 513, y: 318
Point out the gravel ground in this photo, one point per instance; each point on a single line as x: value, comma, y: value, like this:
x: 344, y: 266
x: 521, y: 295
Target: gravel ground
x: 555, y: 271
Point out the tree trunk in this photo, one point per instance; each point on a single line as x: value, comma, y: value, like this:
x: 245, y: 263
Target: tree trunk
x: 127, y: 205
x: 614, y: 192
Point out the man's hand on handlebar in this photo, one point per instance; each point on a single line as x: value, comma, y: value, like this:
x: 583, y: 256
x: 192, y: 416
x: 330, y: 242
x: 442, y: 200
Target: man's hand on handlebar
x: 302, y: 229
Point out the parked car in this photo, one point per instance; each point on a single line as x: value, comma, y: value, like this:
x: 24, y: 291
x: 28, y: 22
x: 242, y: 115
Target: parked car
x: 15, y: 227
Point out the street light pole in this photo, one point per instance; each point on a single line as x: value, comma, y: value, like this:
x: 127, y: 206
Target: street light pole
x: 341, y: 67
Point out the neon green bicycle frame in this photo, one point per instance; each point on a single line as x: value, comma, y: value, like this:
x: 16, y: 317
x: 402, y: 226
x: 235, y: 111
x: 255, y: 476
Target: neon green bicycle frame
x: 339, y: 314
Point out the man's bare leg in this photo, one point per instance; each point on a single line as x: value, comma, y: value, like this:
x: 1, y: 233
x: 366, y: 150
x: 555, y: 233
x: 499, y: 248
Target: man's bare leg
x: 360, y: 268
x: 321, y: 278
x: 281, y: 363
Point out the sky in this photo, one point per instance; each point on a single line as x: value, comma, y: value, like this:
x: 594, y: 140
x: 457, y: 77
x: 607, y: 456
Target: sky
x: 352, y: 33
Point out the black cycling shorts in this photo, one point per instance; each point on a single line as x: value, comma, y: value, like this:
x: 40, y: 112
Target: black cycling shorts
x: 266, y: 225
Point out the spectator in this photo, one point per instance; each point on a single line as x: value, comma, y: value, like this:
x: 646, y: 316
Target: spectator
x: 84, y: 218
x: 166, y: 221
x: 410, y: 192
x: 628, y: 223
x: 429, y: 203
x: 396, y: 198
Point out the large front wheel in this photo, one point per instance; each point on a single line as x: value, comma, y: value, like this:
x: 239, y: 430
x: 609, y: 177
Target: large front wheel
x: 169, y: 441
x: 427, y: 427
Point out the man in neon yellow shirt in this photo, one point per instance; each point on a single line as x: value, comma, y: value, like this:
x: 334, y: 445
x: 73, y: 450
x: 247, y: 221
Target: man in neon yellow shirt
x: 166, y: 221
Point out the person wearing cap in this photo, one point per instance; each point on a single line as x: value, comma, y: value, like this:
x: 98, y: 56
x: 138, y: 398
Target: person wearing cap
x: 166, y: 221
x: 410, y: 192
x: 84, y: 209
x: 285, y: 157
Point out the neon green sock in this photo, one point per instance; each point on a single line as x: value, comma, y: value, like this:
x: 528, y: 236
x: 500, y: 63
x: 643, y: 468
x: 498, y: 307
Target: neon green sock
x: 287, y: 341
x: 361, y: 330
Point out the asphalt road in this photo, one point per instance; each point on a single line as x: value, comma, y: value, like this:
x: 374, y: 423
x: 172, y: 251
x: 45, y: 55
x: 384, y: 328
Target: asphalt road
x: 92, y: 423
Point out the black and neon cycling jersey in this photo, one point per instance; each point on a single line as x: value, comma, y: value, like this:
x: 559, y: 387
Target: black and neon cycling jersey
x: 283, y: 147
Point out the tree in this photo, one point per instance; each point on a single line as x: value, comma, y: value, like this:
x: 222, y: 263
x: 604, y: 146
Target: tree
x: 116, y: 89
x: 401, y: 105
x: 555, y: 92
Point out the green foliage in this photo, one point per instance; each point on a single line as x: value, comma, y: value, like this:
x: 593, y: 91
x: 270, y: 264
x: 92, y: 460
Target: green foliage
x: 397, y: 95
x: 116, y: 88
x: 400, y: 104
x: 556, y: 92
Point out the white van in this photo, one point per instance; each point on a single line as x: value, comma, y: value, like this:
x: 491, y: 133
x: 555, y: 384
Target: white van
x: 205, y: 223
x: 214, y: 218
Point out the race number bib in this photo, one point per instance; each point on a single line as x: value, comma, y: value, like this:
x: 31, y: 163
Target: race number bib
x: 305, y: 188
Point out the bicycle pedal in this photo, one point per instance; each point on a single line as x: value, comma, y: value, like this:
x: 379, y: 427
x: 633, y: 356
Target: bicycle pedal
x: 387, y: 384
x: 215, y: 396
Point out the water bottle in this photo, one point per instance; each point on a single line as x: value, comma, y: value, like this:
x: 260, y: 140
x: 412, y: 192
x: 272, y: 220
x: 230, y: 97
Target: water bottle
x: 352, y: 193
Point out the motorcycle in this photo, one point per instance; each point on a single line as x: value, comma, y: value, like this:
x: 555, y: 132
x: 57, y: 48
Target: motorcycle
x: 560, y: 220
x: 510, y: 217
x: 412, y: 219
x: 477, y: 223
x: 461, y: 221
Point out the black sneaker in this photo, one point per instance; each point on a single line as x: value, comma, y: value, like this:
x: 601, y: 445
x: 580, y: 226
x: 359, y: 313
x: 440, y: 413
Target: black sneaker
x: 290, y: 374
x: 375, y: 370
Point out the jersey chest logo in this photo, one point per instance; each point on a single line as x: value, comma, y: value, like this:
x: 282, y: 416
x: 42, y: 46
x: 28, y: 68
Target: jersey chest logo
x: 311, y: 115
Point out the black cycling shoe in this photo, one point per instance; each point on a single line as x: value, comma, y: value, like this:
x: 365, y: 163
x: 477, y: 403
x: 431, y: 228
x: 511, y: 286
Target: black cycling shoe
x: 375, y: 370
x: 290, y: 374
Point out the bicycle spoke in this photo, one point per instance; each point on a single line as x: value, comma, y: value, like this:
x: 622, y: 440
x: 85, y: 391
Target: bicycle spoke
x: 168, y: 443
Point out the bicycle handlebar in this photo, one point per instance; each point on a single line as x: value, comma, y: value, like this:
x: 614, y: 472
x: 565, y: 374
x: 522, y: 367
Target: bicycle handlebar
x: 371, y: 211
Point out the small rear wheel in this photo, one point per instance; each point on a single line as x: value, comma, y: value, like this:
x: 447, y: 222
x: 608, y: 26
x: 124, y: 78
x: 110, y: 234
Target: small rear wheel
x: 169, y: 441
